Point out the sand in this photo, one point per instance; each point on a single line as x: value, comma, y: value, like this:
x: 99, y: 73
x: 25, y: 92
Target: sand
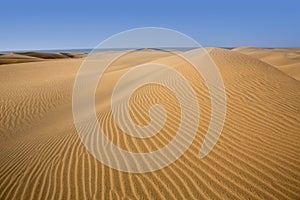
x: 286, y: 60
x: 36, y: 56
x: 256, y: 157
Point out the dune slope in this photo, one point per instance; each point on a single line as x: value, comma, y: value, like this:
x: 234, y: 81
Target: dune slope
x: 256, y: 157
x: 287, y: 60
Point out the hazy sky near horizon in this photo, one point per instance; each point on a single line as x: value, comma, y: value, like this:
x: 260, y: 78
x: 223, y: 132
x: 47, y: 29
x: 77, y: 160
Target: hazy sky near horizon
x: 32, y: 24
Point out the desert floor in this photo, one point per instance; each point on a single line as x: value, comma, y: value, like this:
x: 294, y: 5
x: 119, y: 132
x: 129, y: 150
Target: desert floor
x: 256, y: 157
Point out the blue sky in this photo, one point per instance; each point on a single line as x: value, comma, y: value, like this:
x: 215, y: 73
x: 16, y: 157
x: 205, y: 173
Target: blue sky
x: 62, y: 24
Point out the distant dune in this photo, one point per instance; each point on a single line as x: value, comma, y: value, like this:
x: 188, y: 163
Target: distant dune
x: 256, y: 157
x: 15, y: 58
x: 287, y: 60
x: 35, y: 56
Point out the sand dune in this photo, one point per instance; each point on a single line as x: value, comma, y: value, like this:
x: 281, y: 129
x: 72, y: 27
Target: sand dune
x: 256, y: 157
x: 15, y: 58
x: 35, y: 56
x: 287, y: 60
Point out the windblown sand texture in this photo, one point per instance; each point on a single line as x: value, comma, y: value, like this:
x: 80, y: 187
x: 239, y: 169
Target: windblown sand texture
x: 286, y: 60
x: 256, y: 157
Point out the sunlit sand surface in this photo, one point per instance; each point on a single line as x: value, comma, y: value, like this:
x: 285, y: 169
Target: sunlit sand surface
x: 256, y: 157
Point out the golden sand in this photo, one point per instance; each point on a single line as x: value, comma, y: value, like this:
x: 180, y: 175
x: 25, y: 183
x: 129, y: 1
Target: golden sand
x: 256, y: 157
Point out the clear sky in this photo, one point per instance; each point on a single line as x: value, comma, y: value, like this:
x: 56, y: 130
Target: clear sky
x: 55, y: 24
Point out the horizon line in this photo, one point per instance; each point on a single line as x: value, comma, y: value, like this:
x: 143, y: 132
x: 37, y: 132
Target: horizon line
x: 90, y: 49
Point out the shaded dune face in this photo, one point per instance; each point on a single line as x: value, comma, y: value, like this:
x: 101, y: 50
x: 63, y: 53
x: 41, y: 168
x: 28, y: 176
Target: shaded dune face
x: 257, y: 155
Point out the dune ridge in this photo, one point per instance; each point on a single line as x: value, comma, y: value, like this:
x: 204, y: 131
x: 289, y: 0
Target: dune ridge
x: 286, y: 60
x: 256, y: 157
